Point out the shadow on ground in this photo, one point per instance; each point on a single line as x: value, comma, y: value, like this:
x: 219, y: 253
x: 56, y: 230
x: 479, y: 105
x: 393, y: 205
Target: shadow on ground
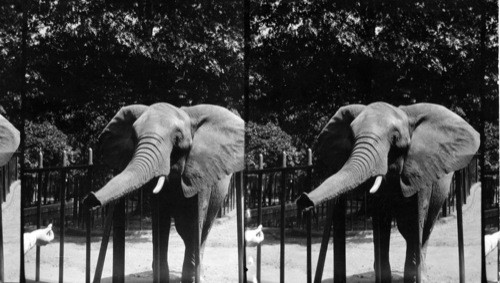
x: 295, y: 236
x: 359, y: 278
x: 367, y: 277
x: 146, y: 276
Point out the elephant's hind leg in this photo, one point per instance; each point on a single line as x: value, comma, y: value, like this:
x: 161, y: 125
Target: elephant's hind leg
x: 216, y: 200
x: 206, y: 210
x: 440, y: 191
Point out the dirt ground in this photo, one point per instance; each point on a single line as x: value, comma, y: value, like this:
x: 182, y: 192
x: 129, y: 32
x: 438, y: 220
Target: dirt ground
x: 220, y: 260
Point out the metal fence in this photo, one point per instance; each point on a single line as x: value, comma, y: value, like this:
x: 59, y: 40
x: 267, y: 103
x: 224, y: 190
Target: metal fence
x: 46, y: 188
x: 270, y: 194
x: 8, y: 174
x: 43, y: 193
x: 264, y: 189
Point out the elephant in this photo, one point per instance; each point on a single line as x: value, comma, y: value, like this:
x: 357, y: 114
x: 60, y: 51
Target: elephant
x: 9, y: 143
x: 9, y: 140
x: 191, y: 154
x: 409, y: 154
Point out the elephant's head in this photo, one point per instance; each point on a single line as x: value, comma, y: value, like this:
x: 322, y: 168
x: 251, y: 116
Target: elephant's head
x: 198, y: 145
x: 418, y: 144
x: 9, y: 140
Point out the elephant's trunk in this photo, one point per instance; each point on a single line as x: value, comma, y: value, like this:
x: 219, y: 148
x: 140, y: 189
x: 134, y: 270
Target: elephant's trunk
x: 147, y: 163
x: 364, y: 163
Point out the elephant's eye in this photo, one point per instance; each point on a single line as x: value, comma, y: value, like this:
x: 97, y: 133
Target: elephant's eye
x: 396, y: 136
x: 178, y: 137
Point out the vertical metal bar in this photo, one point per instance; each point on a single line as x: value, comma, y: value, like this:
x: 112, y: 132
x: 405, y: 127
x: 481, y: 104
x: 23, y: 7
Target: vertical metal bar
x: 47, y: 183
x: 324, y: 243
x: 24, y: 89
x: 155, y: 213
x: 460, y: 230
x: 62, y: 199
x: 141, y: 199
x: 309, y: 215
x: 418, y: 244
x: 87, y: 218
x: 351, y: 205
x: 199, y: 223
x: 119, y: 241
x: 339, y: 258
x: 282, y: 219
x: 365, y: 203
x: 259, y: 216
x: 376, y: 219
x: 125, y: 211
x: 1, y: 242
x: 240, y: 193
x: 104, y: 244
x: 39, y: 213
x: 74, y: 186
x: 240, y: 229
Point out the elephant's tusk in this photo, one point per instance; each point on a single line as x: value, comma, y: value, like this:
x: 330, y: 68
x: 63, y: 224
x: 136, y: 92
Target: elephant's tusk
x: 376, y: 185
x: 159, y: 186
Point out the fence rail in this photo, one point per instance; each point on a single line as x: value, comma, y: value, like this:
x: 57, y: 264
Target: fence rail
x: 296, y: 180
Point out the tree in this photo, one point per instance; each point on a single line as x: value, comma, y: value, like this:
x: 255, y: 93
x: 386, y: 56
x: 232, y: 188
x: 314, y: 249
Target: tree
x: 270, y: 141
x: 309, y: 58
x: 47, y: 138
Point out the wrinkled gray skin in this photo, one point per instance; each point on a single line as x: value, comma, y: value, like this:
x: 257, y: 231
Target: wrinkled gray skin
x: 9, y: 140
x: 196, y: 148
x: 414, y: 148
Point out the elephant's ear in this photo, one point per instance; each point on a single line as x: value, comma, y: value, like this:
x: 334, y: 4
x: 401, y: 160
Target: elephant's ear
x: 335, y: 142
x: 441, y: 143
x: 117, y: 140
x: 217, y: 149
x: 9, y: 140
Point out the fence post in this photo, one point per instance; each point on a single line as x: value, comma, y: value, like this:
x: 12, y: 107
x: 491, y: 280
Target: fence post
x: 2, y: 198
x: 339, y: 258
x: 199, y: 229
x: 282, y: 222
x: 119, y: 241
x: 459, y: 192
x: 62, y: 214
x: 240, y: 202
x: 324, y: 243
x: 259, y: 215
x: 141, y: 199
x: 87, y: 218
x: 39, y: 213
x: 309, y: 215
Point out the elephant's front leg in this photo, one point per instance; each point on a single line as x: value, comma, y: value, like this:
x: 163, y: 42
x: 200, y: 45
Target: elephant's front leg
x: 408, y: 218
x: 381, y: 239
x: 203, y: 211
x: 186, y: 223
x: 161, y: 231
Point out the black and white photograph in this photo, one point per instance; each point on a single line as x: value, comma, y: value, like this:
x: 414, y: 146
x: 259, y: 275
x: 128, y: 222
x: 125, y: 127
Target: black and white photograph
x: 398, y: 103
x: 257, y: 141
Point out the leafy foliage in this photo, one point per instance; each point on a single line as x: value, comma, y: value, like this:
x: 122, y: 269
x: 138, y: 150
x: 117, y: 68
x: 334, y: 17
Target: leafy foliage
x: 89, y: 58
x: 270, y: 141
x: 47, y: 138
x: 309, y: 58
x: 86, y: 59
